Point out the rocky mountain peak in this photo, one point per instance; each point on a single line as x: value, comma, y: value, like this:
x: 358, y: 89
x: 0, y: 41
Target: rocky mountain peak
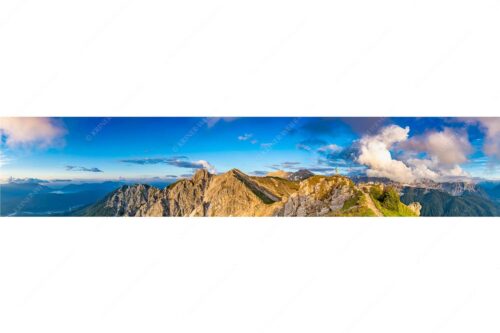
x: 201, y: 175
x: 235, y: 172
x: 299, y: 175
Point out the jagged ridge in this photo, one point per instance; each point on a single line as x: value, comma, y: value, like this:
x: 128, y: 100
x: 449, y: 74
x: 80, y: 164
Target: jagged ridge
x: 237, y: 194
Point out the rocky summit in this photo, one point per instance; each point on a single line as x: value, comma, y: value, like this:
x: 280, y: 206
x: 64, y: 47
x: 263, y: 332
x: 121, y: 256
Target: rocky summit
x: 235, y: 193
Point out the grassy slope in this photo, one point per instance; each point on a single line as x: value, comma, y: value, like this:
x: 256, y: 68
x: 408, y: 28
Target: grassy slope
x: 355, y: 206
x: 388, y: 202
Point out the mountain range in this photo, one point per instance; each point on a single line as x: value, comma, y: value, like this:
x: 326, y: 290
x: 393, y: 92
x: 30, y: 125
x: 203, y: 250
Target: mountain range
x: 234, y: 193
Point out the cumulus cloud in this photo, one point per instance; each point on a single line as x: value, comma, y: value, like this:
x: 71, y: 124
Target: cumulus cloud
x: 445, y: 147
x: 434, y: 155
x: 422, y: 168
x: 81, y: 168
x: 375, y: 154
x: 40, y: 132
x: 178, y: 161
x: 245, y: 137
x: 491, y: 127
x: 444, y: 150
x: 202, y: 164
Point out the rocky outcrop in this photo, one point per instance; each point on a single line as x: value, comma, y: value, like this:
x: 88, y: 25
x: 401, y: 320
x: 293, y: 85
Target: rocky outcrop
x: 319, y: 196
x: 415, y: 207
x: 186, y: 196
x: 137, y: 200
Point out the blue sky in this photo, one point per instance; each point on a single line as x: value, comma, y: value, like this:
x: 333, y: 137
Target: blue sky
x: 110, y: 148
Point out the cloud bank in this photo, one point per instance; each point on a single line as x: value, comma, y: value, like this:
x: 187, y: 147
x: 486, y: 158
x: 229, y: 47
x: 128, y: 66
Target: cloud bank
x: 435, y: 155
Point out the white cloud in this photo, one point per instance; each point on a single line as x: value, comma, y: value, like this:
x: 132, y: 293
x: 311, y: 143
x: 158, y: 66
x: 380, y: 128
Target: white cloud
x: 442, y: 153
x: 375, y: 154
x: 455, y: 171
x: 445, y: 151
x: 430, y: 169
x: 40, y: 132
x: 245, y: 137
x: 421, y: 169
x: 328, y: 149
x: 205, y: 165
x: 445, y: 147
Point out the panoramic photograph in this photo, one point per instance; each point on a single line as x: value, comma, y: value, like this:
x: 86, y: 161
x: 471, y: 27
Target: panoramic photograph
x: 250, y: 166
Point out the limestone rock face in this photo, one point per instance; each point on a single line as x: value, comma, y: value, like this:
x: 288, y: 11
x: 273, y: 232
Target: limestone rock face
x: 137, y: 200
x: 235, y: 194
x: 186, y: 195
x: 319, y: 196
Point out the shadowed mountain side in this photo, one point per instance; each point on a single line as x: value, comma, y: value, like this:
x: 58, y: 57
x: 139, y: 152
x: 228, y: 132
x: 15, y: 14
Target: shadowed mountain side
x: 441, y: 203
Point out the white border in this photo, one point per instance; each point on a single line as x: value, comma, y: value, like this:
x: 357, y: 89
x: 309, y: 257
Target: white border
x: 260, y: 58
